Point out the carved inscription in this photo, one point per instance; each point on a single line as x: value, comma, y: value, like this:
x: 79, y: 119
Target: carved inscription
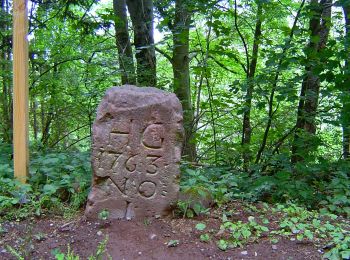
x: 153, y: 136
x: 135, y: 153
x: 147, y: 189
x: 118, y: 165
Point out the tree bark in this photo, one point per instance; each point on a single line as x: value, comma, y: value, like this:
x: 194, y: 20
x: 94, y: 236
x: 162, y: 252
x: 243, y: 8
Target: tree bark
x: 141, y: 13
x: 126, y: 63
x: 346, y: 84
x: 181, y: 70
x: 308, y: 101
x: 247, y: 129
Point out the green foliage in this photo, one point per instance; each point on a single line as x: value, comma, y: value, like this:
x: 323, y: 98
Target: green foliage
x: 323, y: 185
x: 205, y: 237
x: 313, y: 226
x: 73, y: 60
x: 341, y: 247
x: 70, y: 255
x: 189, y: 208
x: 6, y: 164
x: 242, y: 233
x: 56, y: 180
x: 64, y: 175
x: 200, y: 226
x: 103, y: 215
x: 173, y: 243
x: 217, y: 183
x: 223, y: 244
x: 15, y: 253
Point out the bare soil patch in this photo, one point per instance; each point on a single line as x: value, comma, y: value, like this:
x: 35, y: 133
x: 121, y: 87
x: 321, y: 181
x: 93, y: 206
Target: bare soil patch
x: 148, y: 239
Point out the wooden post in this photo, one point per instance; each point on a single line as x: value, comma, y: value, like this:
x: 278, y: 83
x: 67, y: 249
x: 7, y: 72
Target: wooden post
x: 20, y: 90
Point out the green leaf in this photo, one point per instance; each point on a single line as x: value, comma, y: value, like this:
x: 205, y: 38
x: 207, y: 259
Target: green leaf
x: 189, y: 213
x: 308, y: 234
x: 345, y: 254
x: 204, y: 237
x: 222, y: 245
x: 246, y: 233
x: 50, y: 188
x: 173, y: 243
x: 200, y: 226
x: 263, y: 228
x: 197, y: 208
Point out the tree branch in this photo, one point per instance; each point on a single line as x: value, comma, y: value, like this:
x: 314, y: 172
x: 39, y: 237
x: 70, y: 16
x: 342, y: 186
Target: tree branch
x: 166, y: 55
x: 222, y: 65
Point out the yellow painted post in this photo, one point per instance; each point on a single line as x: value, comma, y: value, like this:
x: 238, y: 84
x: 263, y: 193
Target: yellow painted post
x: 20, y: 90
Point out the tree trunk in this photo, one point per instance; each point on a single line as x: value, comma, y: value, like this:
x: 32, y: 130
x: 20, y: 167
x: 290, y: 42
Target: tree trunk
x: 308, y: 101
x: 180, y: 62
x: 247, y: 129
x: 346, y: 84
x: 126, y: 63
x: 274, y: 87
x: 141, y: 13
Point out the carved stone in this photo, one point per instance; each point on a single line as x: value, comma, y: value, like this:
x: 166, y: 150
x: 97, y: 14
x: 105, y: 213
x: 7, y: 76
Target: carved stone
x: 136, y: 150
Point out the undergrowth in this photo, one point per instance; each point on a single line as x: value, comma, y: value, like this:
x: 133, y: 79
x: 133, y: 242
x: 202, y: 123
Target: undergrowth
x: 325, y: 187
x: 58, y: 182
x: 311, y: 205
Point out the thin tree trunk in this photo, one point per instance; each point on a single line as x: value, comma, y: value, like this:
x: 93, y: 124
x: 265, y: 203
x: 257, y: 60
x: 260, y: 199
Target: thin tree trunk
x: 274, y: 85
x: 346, y: 84
x: 247, y: 129
x: 35, y: 118
x: 180, y: 62
x: 308, y: 101
x: 126, y: 63
x: 141, y: 13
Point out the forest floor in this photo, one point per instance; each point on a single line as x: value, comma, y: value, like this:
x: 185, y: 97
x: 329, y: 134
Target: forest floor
x: 168, y: 238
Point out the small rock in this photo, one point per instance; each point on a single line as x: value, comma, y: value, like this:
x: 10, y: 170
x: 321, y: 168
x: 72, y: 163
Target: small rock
x: 202, y: 249
x: 255, y: 254
x: 3, y: 251
x: 295, y: 231
x: 244, y: 252
x: 152, y: 236
x: 157, y: 216
x: 65, y: 229
x: 274, y: 247
x: 51, y: 224
x: 99, y: 233
x: 140, y: 253
x: 292, y: 239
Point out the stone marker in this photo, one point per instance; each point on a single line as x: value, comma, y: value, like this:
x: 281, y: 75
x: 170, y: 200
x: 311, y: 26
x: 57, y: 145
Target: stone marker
x: 136, y: 150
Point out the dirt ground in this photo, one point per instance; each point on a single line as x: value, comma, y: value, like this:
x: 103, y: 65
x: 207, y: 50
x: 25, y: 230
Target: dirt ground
x: 37, y: 238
